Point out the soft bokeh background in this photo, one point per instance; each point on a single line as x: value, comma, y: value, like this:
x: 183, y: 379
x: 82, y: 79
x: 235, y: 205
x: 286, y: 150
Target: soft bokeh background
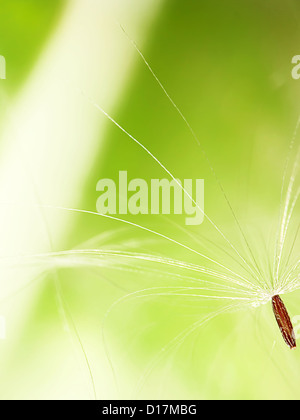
x: 228, y: 68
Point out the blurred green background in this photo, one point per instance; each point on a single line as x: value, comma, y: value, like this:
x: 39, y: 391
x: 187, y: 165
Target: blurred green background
x: 228, y: 67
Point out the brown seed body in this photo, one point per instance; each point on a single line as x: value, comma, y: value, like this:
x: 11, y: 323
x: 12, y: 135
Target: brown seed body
x: 284, y: 322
